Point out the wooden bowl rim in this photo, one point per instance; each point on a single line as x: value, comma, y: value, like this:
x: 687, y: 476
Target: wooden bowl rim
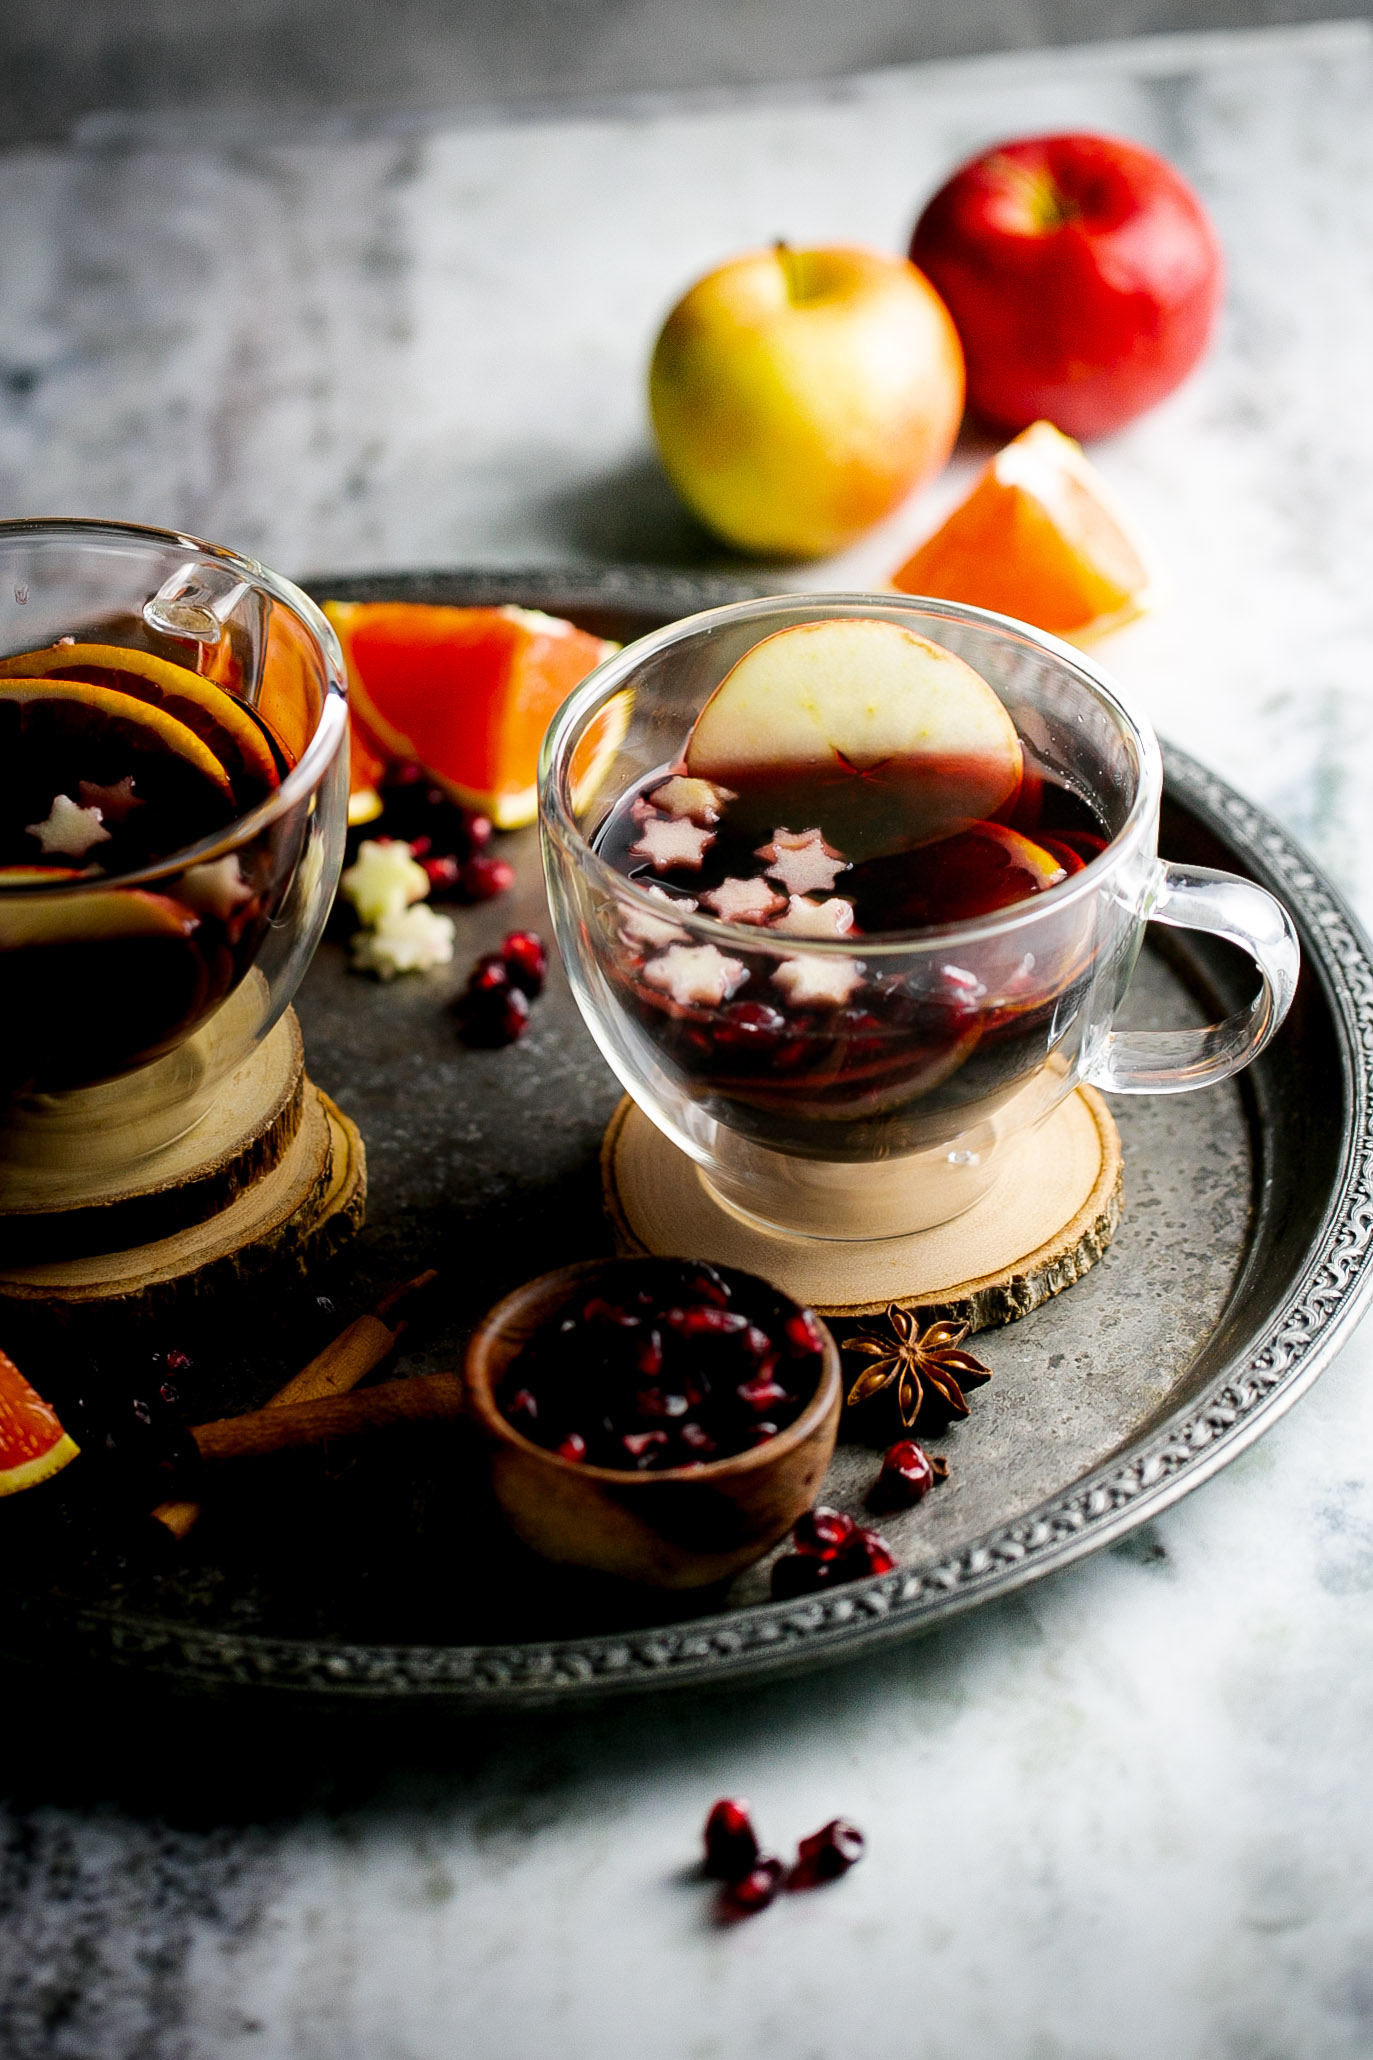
x: 544, y: 1288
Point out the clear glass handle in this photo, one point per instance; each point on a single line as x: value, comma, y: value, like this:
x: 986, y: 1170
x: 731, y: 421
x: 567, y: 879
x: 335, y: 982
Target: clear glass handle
x: 1193, y: 897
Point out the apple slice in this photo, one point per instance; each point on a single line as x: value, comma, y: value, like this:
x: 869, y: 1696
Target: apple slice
x: 86, y: 918
x: 882, y: 738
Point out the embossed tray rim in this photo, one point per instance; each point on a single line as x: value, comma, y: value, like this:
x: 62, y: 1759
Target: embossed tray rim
x: 1267, y: 1367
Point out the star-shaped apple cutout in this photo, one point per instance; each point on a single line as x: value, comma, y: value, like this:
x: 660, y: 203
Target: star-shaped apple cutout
x: 744, y: 901
x: 115, y: 803
x: 215, y: 889
x: 71, y: 830
x: 670, y: 841
x: 802, y: 861
x: 815, y: 918
x: 695, y: 975
x: 818, y: 983
x: 640, y: 928
x: 699, y: 800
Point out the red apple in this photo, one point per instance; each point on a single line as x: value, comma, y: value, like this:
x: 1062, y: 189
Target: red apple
x: 1082, y: 274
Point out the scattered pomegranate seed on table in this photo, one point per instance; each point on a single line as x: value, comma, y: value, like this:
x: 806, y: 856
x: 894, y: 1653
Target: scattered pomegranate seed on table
x: 754, y: 1890
x: 751, y: 1877
x: 731, y: 1842
x: 494, y: 1008
x: 829, y: 1548
x: 908, y: 1473
x: 827, y: 1854
x: 524, y: 954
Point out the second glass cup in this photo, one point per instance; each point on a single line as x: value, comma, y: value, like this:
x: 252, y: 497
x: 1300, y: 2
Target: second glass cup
x: 860, y: 1087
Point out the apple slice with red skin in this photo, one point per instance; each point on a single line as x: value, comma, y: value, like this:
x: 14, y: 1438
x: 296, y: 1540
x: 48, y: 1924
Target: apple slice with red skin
x: 882, y: 738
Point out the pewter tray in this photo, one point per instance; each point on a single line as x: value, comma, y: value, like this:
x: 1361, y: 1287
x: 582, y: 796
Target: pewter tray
x: 1241, y: 1261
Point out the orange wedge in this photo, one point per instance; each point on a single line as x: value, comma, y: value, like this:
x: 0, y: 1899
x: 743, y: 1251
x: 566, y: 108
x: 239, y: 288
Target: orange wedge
x: 33, y: 1444
x: 468, y: 692
x: 1037, y: 538
x: 207, y: 710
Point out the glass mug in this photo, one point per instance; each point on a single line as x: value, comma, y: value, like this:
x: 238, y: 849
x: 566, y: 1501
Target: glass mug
x: 885, y: 1116
x: 127, y: 1002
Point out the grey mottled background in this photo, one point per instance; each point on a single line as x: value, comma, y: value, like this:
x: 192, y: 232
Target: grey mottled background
x: 63, y: 61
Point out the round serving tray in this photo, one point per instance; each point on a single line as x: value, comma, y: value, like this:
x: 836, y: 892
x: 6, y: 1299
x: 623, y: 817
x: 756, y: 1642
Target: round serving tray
x: 1241, y: 1262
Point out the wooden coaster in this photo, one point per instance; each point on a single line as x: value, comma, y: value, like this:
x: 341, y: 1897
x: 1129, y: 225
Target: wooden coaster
x: 250, y: 1126
x: 295, y: 1214
x: 1050, y: 1216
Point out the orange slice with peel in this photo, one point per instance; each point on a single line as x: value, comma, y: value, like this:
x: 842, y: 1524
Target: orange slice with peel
x: 33, y: 1444
x: 83, y: 706
x: 468, y: 693
x: 211, y: 714
x: 1037, y: 538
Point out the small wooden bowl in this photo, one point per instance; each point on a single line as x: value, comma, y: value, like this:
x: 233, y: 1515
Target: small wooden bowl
x: 683, y: 1528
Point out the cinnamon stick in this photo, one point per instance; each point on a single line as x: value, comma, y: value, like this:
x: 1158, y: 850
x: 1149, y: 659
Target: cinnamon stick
x: 286, y: 1427
x: 339, y: 1367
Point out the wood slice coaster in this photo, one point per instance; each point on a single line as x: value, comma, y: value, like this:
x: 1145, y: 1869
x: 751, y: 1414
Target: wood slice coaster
x: 293, y: 1216
x: 1050, y: 1216
x: 246, y: 1132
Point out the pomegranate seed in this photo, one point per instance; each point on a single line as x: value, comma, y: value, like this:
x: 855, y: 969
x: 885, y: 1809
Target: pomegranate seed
x: 731, y: 1843
x: 495, y: 1019
x: 178, y: 1362
x: 761, y: 1432
x: 653, y: 1402
x: 479, y: 831
x: 573, y: 1446
x: 908, y: 1473
x: 484, y: 878
x: 754, y: 1890
x: 830, y: 1548
x: 763, y: 1392
x: 638, y: 1444
x: 747, y: 1026
x: 707, y: 1321
x: 803, y: 1333
x: 827, y: 1854
x: 526, y: 961
x: 866, y: 1553
x: 523, y: 1404
x: 648, y: 1355
x: 698, y: 1440
x: 759, y: 1346
x: 490, y: 975
x: 598, y: 1310
x: 823, y: 1533
x: 443, y: 874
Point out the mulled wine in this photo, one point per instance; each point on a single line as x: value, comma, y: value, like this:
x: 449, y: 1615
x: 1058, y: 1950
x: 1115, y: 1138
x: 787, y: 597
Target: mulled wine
x: 831, y: 1049
x: 113, y: 760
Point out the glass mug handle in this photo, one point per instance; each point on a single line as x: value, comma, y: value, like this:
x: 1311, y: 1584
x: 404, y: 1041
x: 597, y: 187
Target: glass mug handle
x: 1171, y: 1061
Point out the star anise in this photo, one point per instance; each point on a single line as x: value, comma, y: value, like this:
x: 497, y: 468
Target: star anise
x: 926, y: 1366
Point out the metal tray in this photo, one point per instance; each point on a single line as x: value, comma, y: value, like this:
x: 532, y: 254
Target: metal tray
x: 1241, y: 1262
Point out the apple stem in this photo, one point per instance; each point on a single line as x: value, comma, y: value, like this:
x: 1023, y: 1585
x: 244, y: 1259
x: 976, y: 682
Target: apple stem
x: 791, y: 269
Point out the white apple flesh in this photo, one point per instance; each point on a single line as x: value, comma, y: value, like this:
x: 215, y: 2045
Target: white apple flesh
x: 881, y: 738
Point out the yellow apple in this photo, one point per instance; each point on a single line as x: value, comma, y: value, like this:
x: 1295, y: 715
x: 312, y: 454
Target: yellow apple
x: 799, y: 395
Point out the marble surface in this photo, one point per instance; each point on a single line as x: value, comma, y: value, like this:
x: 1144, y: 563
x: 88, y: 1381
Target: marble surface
x: 1121, y: 1815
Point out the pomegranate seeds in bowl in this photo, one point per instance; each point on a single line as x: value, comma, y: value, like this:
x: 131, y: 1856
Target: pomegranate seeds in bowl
x: 664, y: 1364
